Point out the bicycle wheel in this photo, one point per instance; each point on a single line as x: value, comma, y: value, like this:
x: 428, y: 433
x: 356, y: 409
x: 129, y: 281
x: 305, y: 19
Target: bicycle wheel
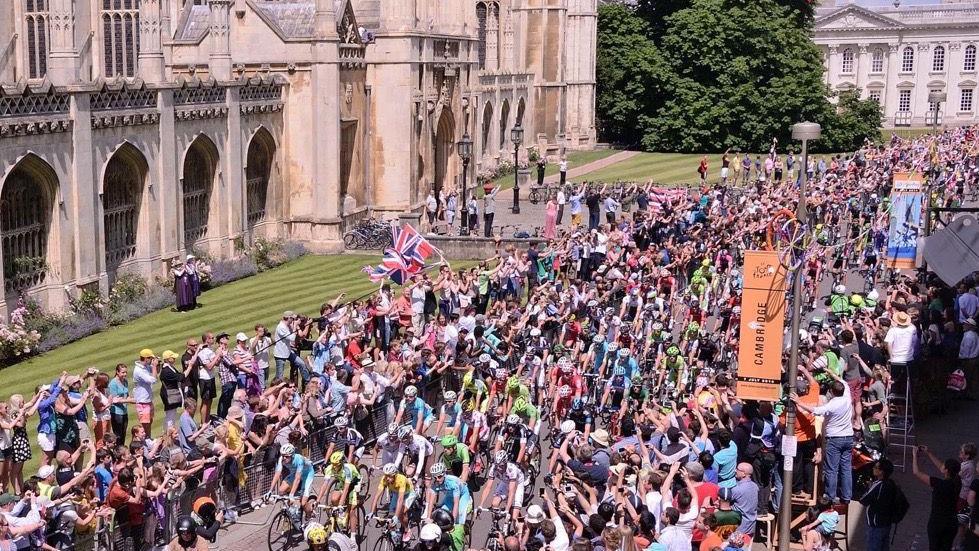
x: 351, y: 240
x: 384, y: 543
x: 359, y: 514
x: 282, y: 535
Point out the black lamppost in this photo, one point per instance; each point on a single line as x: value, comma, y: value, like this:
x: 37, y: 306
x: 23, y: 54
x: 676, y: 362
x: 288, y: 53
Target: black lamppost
x: 465, y: 148
x: 516, y: 136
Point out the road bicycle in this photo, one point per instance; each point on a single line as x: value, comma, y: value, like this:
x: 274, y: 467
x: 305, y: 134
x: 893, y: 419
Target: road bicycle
x: 286, y: 527
x: 368, y: 234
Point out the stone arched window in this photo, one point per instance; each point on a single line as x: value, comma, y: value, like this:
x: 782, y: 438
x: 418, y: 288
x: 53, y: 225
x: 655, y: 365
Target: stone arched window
x: 504, y: 120
x: 120, y: 37
x: 877, y: 61
x: 36, y: 29
x: 938, y: 59
x: 121, y: 194
x: 25, y: 220
x: 481, y: 14
x: 847, y: 60
x: 199, y: 168
x: 487, y: 126
x: 969, y: 58
x: 907, y: 59
x: 258, y: 171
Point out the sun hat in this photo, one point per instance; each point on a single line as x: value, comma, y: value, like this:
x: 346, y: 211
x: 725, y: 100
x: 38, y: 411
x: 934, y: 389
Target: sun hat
x: 72, y: 380
x: 535, y: 515
x: 600, y: 437
x: 902, y: 319
x: 241, y: 337
x: 45, y: 471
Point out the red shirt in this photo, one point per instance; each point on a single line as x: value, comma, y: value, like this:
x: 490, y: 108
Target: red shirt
x: 118, y: 498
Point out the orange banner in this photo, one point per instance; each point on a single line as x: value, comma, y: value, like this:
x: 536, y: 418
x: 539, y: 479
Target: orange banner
x: 762, y: 323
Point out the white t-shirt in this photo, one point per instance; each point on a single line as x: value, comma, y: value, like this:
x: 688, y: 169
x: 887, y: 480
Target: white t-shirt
x: 205, y: 356
x: 561, y: 199
x: 900, y: 341
x: 418, y: 300
x: 837, y: 414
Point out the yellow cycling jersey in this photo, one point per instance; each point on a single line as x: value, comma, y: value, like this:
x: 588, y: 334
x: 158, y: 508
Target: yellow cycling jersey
x: 400, y: 483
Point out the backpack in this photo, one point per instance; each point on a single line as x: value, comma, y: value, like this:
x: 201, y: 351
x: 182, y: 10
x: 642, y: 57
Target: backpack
x: 901, y: 505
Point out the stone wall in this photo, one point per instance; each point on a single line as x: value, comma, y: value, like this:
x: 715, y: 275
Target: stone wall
x: 476, y: 248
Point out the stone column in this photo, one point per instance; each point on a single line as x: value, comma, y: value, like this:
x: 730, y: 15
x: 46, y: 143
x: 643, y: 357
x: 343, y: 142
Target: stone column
x: 86, y: 215
x: 234, y: 167
x: 833, y: 59
x: 492, y: 37
x: 220, y: 58
x: 62, y: 49
x: 889, y: 101
x: 919, y: 95
x: 151, y: 41
x: 862, y: 62
x: 166, y: 196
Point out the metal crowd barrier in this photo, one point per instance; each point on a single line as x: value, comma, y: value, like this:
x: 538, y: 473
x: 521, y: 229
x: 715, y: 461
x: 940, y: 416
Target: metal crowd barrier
x: 238, y: 485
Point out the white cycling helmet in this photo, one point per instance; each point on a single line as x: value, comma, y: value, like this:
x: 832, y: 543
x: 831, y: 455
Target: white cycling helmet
x: 450, y: 395
x: 513, y: 419
x: 405, y: 431
x: 389, y: 469
x: 567, y: 426
x: 501, y: 457
x: 341, y: 422
x: 438, y: 469
x: 287, y: 449
x: 873, y: 295
x: 657, y: 326
x: 411, y: 391
x: 430, y: 532
x: 393, y: 429
x: 535, y: 332
x: 564, y: 363
x: 839, y: 289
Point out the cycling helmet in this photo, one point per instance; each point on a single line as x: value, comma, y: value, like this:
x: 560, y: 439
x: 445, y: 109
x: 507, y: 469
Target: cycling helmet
x: 597, y: 339
x: 204, y: 507
x: 577, y: 404
x: 839, y: 289
x: 873, y: 295
x: 411, y: 391
x: 513, y: 419
x: 657, y: 326
x: 186, y: 524
x: 336, y: 458
x: 535, y: 331
x: 430, y: 533
x: 501, y: 373
x: 705, y: 263
x: 512, y: 384
x: 449, y: 441
x: 315, y: 534
x: 443, y: 519
x: 389, y: 469
x: 819, y: 227
x: 623, y: 352
x: 564, y: 363
x: 405, y: 432
x: 500, y: 457
x: 287, y: 449
x: 619, y: 370
x: 564, y: 391
x: 558, y: 349
x: 438, y: 469
x: 567, y: 426
x: 450, y: 395
x: 613, y: 346
x: 468, y: 406
x: 392, y: 429
x: 673, y: 350
x: 341, y: 422
x: 856, y: 300
x: 693, y: 327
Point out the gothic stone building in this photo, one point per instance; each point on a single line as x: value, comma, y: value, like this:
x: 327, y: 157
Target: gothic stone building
x: 897, y: 53
x: 134, y: 131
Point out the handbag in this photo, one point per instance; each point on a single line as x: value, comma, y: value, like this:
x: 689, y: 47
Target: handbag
x: 173, y: 396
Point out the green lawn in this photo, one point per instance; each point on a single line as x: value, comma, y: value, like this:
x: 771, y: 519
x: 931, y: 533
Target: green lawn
x: 302, y: 286
x: 575, y: 159
x: 661, y: 168
x: 906, y: 133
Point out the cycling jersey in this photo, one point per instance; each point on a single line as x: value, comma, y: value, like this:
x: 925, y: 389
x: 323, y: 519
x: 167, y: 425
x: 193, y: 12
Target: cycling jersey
x: 526, y: 412
x: 299, y: 464
x: 416, y: 410
x: 398, y: 484
x: 450, y: 489
x: 341, y: 439
x: 451, y: 412
x: 456, y: 461
x: 343, y: 473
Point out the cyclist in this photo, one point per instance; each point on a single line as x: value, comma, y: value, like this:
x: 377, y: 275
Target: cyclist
x: 507, y: 483
x: 581, y: 415
x: 414, y: 411
x: 418, y: 447
x: 455, y: 457
x: 516, y: 439
x: 450, y: 492
x: 616, y: 388
x: 294, y: 472
x: 399, y: 492
x: 673, y: 366
x: 525, y: 410
x: 345, y: 439
x: 473, y: 427
x: 338, y: 472
x: 562, y: 402
x: 187, y: 538
x: 392, y: 449
x: 430, y: 538
x: 315, y: 535
x: 453, y: 535
x: 449, y: 413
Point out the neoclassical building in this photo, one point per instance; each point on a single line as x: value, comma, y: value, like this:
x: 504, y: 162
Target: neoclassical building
x: 897, y: 54
x: 134, y: 131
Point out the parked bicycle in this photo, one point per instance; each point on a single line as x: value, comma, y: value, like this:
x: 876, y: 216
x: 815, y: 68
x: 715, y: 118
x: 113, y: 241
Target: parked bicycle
x: 369, y: 233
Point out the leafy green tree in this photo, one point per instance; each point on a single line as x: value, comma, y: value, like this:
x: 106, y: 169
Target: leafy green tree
x: 855, y: 120
x: 629, y: 73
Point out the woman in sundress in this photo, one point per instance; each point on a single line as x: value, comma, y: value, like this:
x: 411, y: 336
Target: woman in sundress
x: 19, y: 441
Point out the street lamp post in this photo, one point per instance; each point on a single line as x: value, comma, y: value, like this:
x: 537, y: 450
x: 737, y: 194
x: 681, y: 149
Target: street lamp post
x: 465, y: 149
x: 803, y: 131
x: 516, y: 136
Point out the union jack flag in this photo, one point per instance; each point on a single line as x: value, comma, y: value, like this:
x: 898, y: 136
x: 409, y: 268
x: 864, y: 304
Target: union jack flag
x: 406, y: 258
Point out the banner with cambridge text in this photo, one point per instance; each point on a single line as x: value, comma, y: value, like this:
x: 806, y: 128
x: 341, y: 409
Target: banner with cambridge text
x: 905, y: 222
x: 762, y: 322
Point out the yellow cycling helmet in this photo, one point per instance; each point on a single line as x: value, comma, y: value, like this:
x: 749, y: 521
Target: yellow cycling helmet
x: 336, y: 458
x: 315, y: 534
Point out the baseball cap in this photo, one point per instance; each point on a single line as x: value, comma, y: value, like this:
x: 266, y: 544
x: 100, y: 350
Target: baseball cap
x: 288, y: 314
x: 725, y: 494
x: 169, y: 355
x: 146, y: 353
x: 241, y: 337
x: 45, y: 471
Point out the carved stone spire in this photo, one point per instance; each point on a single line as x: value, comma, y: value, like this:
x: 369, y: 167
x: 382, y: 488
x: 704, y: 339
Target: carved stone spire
x: 151, y: 41
x: 220, y: 59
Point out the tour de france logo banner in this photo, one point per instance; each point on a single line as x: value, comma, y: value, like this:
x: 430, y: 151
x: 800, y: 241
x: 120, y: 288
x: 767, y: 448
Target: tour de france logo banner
x: 905, y: 220
x: 762, y: 322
